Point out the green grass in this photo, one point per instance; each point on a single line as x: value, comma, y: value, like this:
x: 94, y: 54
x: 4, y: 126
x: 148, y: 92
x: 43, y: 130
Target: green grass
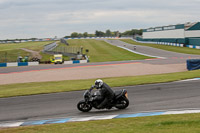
x: 45, y: 57
x: 184, y: 123
x: 12, y: 51
x: 100, y: 51
x: 61, y: 44
x: 184, y: 50
x: 12, y: 55
x: 21, y: 89
x: 36, y: 46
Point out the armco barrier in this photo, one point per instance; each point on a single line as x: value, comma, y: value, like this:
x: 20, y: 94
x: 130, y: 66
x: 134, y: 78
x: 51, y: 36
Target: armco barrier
x: 193, y: 64
x: 50, y: 47
x: 12, y: 64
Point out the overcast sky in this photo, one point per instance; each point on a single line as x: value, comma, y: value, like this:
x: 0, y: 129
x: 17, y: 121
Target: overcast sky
x: 50, y: 18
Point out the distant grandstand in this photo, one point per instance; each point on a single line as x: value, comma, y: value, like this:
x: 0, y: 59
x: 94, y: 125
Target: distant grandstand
x: 187, y: 34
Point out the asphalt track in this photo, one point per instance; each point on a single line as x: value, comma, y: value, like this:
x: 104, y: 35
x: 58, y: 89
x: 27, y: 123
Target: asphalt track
x: 152, y: 97
x: 149, y: 50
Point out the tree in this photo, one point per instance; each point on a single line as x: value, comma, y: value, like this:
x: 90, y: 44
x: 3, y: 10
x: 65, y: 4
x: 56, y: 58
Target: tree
x: 99, y: 33
x: 108, y: 33
x: 91, y: 35
x: 80, y: 35
x: 74, y: 34
x: 132, y: 32
x: 85, y: 34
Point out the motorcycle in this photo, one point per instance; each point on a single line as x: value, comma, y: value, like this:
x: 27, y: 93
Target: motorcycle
x: 120, y: 100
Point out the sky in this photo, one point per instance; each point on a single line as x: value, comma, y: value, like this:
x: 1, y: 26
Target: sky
x: 49, y: 18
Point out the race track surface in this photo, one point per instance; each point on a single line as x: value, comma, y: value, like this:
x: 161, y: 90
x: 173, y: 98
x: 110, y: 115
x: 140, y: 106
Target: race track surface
x: 153, y: 97
x: 148, y: 50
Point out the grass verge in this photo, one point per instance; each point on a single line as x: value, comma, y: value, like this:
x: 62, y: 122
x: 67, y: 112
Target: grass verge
x: 12, y: 55
x: 36, y: 46
x: 184, y: 50
x: 100, y: 51
x: 10, y: 52
x: 184, y: 123
x: 22, y: 89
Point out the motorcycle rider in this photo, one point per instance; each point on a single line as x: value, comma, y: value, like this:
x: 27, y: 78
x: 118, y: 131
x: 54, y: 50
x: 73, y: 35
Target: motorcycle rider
x: 107, y: 93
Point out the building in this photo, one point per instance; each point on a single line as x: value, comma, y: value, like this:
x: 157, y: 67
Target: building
x: 187, y: 34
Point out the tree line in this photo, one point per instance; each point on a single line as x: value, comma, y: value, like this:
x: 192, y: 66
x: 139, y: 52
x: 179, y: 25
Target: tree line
x: 107, y: 33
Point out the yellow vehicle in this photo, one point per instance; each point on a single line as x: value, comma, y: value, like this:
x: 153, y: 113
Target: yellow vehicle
x: 58, y: 59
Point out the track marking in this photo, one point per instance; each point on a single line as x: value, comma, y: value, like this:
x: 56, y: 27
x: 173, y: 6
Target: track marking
x: 139, y: 115
x: 194, y: 79
x: 14, y: 124
x: 104, y: 117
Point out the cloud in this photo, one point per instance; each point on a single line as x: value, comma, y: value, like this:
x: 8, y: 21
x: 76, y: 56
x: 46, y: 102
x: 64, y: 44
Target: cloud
x: 42, y: 18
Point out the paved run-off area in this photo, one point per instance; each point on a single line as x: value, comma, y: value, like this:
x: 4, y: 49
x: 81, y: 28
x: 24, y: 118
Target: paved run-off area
x: 90, y: 72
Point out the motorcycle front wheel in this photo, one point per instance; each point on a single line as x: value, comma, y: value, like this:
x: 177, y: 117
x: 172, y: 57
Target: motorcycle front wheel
x: 83, y: 106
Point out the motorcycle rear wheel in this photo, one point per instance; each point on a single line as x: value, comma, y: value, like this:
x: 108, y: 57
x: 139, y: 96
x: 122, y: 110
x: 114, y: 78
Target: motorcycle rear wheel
x: 83, y: 106
x: 122, y: 103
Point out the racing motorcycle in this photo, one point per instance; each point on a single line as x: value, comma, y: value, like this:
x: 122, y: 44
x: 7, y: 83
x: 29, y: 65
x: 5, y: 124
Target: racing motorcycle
x: 120, y: 100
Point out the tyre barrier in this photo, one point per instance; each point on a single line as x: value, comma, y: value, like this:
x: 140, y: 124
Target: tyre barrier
x: 170, y: 44
x: 12, y: 64
x: 161, y: 43
x: 76, y: 61
x: 193, y: 46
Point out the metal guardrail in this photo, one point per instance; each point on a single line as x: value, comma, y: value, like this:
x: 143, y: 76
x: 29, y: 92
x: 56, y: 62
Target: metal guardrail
x: 66, y: 51
x: 50, y: 47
